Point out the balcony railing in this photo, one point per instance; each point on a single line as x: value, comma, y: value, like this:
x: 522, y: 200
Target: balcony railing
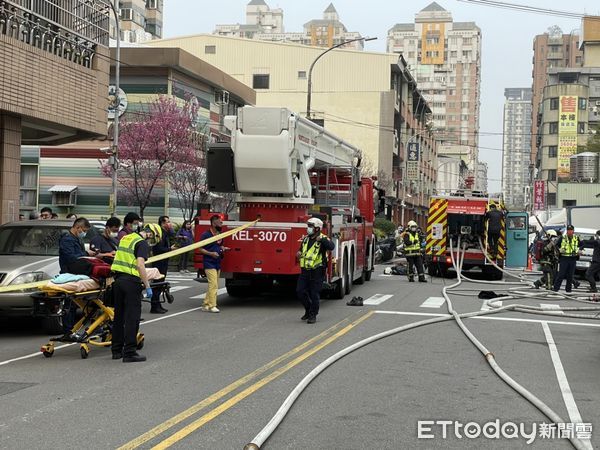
x: 71, y: 29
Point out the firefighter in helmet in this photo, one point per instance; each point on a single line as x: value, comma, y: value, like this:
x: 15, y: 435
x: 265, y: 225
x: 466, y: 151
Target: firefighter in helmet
x: 549, y: 260
x: 412, y: 251
x: 313, y: 261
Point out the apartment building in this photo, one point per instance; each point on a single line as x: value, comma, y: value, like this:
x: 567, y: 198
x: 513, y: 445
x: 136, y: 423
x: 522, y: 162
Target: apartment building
x: 54, y: 70
x: 516, y: 146
x: 266, y: 24
x: 569, y: 116
x: 445, y: 58
x: 141, y: 20
x: 553, y: 49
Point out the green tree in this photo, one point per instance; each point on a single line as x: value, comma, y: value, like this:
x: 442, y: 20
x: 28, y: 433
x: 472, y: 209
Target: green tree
x: 593, y: 143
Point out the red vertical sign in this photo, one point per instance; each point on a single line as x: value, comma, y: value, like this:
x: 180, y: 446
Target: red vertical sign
x: 539, y: 194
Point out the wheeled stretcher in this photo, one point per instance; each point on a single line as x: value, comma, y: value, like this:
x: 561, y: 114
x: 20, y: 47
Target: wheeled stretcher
x: 95, y: 300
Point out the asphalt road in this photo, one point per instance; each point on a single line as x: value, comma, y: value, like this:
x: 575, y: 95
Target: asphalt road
x: 212, y: 381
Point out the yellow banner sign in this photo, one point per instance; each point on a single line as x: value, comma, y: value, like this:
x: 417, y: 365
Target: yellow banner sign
x: 567, y: 133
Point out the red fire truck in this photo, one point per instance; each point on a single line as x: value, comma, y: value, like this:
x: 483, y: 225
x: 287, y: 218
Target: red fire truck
x: 462, y: 215
x: 286, y: 169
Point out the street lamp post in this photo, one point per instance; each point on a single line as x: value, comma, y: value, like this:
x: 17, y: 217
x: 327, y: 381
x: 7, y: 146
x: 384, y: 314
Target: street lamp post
x: 115, y: 146
x: 309, y: 92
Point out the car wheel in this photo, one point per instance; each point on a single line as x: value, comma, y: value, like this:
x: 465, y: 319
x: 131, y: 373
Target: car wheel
x: 52, y: 325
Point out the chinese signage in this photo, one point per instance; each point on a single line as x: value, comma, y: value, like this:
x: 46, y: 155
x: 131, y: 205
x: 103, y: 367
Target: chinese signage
x: 539, y: 195
x: 412, y: 161
x: 567, y: 133
x: 467, y: 206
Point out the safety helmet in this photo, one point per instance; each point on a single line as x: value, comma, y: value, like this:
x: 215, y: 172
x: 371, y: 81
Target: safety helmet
x: 551, y: 233
x: 156, y: 230
x: 412, y: 223
x: 317, y: 223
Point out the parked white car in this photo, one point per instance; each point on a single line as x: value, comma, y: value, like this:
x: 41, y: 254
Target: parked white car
x: 29, y: 253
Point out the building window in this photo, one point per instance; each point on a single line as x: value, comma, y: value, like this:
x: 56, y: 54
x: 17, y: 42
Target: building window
x: 153, y: 4
x: 210, y: 49
x: 578, y: 60
x: 582, y: 103
x: 552, y: 175
x: 260, y: 81
x: 29, y: 186
x: 554, y: 103
x: 551, y: 197
x: 302, y: 74
x: 580, y: 127
x: 552, y: 151
x: 553, y: 128
x: 126, y: 13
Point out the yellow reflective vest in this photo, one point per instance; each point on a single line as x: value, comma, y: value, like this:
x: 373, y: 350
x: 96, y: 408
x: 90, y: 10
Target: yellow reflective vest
x: 311, y: 258
x: 125, y: 260
x: 569, y: 247
x: 415, y: 245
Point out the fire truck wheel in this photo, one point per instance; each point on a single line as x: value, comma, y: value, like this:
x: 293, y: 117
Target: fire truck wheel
x: 339, y: 291
x: 433, y: 270
x: 349, y: 271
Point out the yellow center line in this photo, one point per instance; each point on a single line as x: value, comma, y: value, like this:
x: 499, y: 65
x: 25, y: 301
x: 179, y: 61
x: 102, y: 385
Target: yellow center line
x: 188, y: 429
x: 161, y: 428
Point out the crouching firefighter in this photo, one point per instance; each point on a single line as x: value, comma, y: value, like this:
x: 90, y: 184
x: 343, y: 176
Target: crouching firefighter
x: 129, y: 266
x: 412, y: 251
x: 548, y: 261
x: 313, y: 261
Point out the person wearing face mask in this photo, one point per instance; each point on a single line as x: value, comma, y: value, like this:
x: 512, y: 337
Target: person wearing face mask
x: 313, y: 262
x: 131, y: 223
x: 549, y: 261
x: 594, y: 269
x: 412, y: 251
x: 106, y: 244
x: 568, y: 246
x: 131, y: 279
x: 212, y: 256
x: 185, y: 237
x: 70, y: 252
x: 71, y: 248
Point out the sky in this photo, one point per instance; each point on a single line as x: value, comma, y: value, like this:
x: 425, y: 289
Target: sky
x: 507, y: 40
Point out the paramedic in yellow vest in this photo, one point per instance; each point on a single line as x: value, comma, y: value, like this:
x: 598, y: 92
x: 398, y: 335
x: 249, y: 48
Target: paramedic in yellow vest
x: 129, y: 267
x: 313, y: 264
x: 568, y: 246
x: 412, y: 251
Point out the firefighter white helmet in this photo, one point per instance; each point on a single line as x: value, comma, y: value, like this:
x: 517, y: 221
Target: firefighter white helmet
x: 412, y: 223
x: 551, y: 233
x: 317, y: 223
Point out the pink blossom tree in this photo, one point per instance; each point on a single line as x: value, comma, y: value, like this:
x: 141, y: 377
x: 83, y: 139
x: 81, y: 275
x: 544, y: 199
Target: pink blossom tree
x: 151, y: 147
x: 188, y: 181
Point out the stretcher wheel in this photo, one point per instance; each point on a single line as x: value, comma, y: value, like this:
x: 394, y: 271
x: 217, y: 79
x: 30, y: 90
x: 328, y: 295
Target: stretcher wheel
x: 47, y: 350
x: 140, y: 344
x: 84, y: 350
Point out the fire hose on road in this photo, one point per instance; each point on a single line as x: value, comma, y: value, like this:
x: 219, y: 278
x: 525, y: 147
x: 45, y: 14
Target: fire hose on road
x: 579, y: 444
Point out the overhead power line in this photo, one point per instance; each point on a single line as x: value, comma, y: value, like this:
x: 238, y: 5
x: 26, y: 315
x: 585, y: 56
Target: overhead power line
x: 529, y: 9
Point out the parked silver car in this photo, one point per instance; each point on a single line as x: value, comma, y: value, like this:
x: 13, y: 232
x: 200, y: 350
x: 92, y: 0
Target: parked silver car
x: 29, y: 253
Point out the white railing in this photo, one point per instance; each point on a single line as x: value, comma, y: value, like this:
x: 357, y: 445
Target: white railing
x: 71, y: 29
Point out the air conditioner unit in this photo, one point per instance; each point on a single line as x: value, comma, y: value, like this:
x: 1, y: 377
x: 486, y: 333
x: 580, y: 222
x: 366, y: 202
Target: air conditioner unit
x: 597, y: 102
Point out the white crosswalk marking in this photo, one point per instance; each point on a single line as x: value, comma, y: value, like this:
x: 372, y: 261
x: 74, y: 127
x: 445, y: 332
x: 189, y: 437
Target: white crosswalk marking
x: 219, y: 292
x: 179, y: 288
x: 377, y: 299
x: 433, y: 302
x: 551, y: 306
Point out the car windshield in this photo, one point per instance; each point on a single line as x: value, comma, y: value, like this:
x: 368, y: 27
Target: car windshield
x: 34, y: 240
